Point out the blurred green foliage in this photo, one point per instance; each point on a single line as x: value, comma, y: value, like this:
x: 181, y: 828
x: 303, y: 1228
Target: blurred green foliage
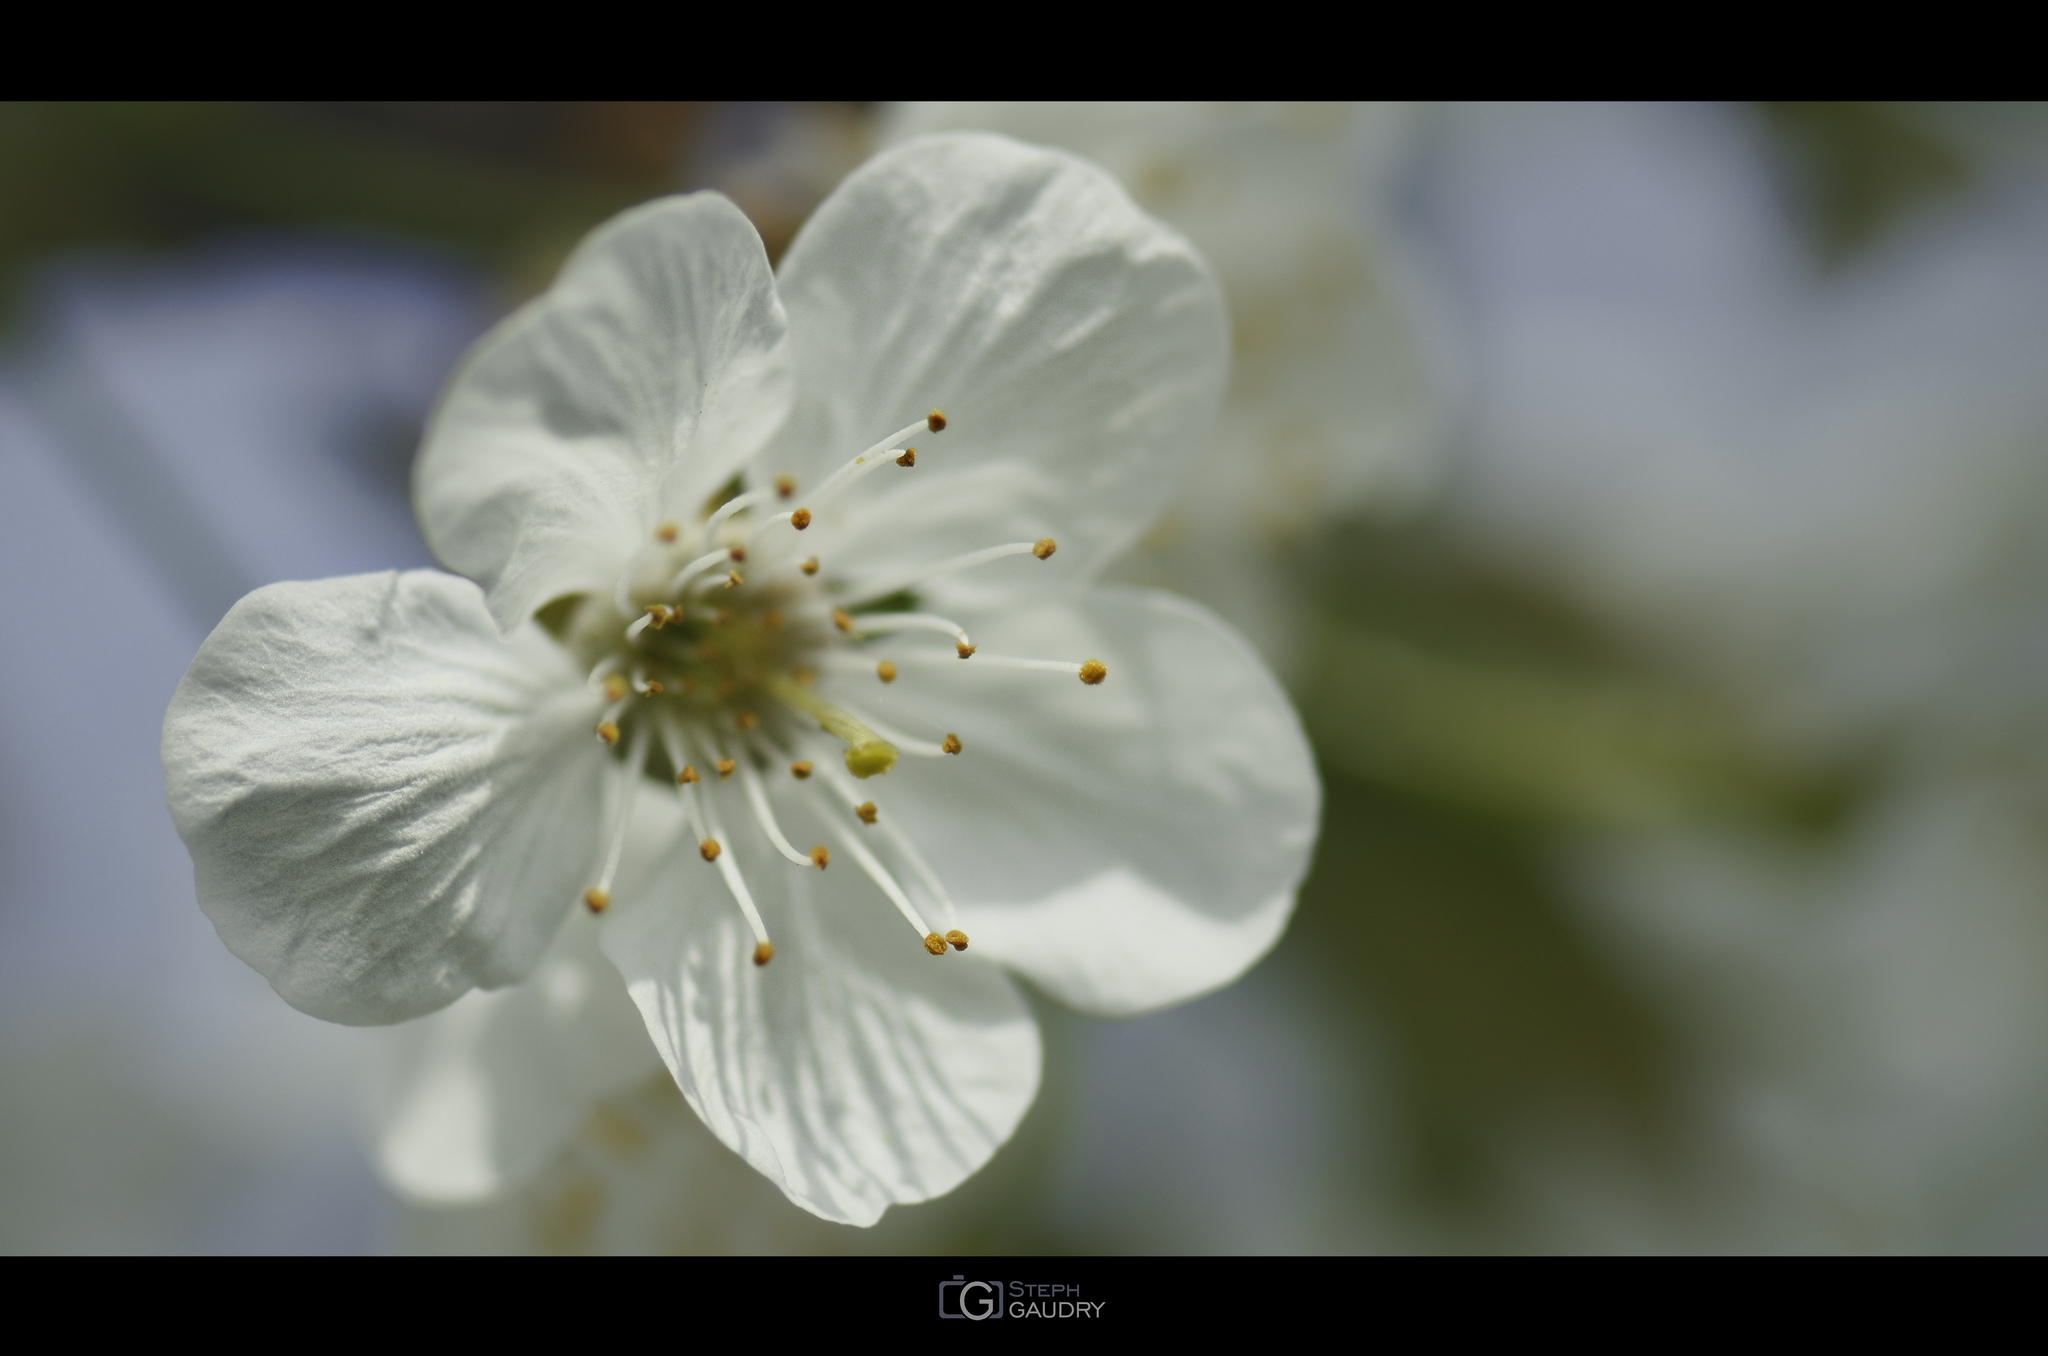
x: 512, y: 185
x: 1862, y: 167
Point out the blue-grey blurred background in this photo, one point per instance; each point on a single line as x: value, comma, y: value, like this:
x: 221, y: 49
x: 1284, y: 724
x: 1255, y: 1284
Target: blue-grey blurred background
x: 1647, y: 507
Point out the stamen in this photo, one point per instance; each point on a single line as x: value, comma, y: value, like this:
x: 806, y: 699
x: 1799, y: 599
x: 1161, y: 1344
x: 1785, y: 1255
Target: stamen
x: 842, y: 619
x: 886, y: 671
x: 868, y: 592
x: 608, y: 664
x: 785, y: 486
x: 876, y: 872
x: 935, y: 944
x: 764, y: 815
x: 867, y: 753
x: 820, y: 858
x: 645, y: 620
x: 666, y: 532
x: 709, y: 849
x: 703, y: 817
x: 1044, y: 547
x: 810, y: 566
x: 616, y: 687
x: 733, y: 580
x: 800, y: 518
x: 952, y: 744
x: 745, y: 720
x: 696, y: 567
x: 599, y: 897
x: 737, y: 552
x: 908, y: 459
x: 881, y: 623
x: 737, y: 504
x: 936, y: 421
x: 1089, y: 671
x: 800, y: 769
x: 687, y: 777
x: 918, y: 748
x: 901, y: 842
x: 958, y: 939
x: 868, y: 460
x: 724, y: 766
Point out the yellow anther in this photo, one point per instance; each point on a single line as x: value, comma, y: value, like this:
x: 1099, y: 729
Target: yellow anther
x: 616, y: 687
x: 738, y: 552
x: 658, y: 615
x: 725, y: 767
x: 964, y: 648
x: 1093, y: 671
x: 686, y: 776
x: 608, y: 731
x: 772, y: 619
x: 745, y: 720
x: 733, y: 580
x: 1044, y: 547
x: 909, y: 457
x: 958, y: 939
x: 841, y: 620
x: 800, y: 519
x: 935, y: 421
x: 785, y: 486
x: 597, y: 899
x: 866, y: 810
x: 764, y: 953
x: 820, y: 858
x: 800, y: 769
x: 654, y: 686
x: 811, y: 566
x: 708, y: 849
x: 886, y: 671
x: 952, y: 744
x: 935, y: 944
x: 665, y: 531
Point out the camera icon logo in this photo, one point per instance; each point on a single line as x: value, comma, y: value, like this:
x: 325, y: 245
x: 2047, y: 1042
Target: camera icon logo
x: 972, y: 1300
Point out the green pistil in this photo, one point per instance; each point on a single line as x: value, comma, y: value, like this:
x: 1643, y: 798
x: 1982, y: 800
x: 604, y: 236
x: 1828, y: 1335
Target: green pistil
x: 867, y: 753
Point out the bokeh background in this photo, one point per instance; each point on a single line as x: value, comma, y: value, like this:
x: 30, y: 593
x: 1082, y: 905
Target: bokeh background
x: 1646, y: 506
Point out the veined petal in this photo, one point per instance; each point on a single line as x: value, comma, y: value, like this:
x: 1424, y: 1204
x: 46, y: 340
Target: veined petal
x: 1078, y: 348
x: 386, y: 803
x: 629, y: 392
x: 1128, y: 845
x: 490, y: 1089
x: 854, y: 1071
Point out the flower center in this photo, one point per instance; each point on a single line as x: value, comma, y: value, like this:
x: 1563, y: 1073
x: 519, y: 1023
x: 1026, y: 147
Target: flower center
x: 708, y: 656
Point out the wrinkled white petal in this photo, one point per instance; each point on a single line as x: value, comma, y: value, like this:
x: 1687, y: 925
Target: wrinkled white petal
x: 386, y: 804
x: 854, y: 1071
x: 1125, y: 846
x: 628, y: 393
x: 490, y: 1089
x: 1078, y: 348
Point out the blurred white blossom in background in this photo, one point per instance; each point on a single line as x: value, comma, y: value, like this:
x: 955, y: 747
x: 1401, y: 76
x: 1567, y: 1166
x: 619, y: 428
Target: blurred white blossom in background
x: 1822, y: 487
x: 169, y: 436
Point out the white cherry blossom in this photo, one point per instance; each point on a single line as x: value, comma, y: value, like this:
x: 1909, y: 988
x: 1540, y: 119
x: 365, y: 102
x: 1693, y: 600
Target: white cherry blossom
x: 819, y: 726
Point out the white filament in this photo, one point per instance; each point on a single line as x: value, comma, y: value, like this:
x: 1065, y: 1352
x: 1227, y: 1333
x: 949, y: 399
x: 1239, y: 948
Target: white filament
x: 629, y: 777
x: 703, y: 817
x: 842, y: 783
x: 764, y: 815
x: 849, y: 838
x: 882, y: 622
x: 862, y: 593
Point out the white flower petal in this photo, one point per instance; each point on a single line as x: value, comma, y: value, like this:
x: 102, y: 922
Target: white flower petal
x: 1078, y: 347
x: 386, y: 804
x: 631, y: 391
x: 854, y: 1071
x: 493, y: 1087
x: 1126, y: 846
